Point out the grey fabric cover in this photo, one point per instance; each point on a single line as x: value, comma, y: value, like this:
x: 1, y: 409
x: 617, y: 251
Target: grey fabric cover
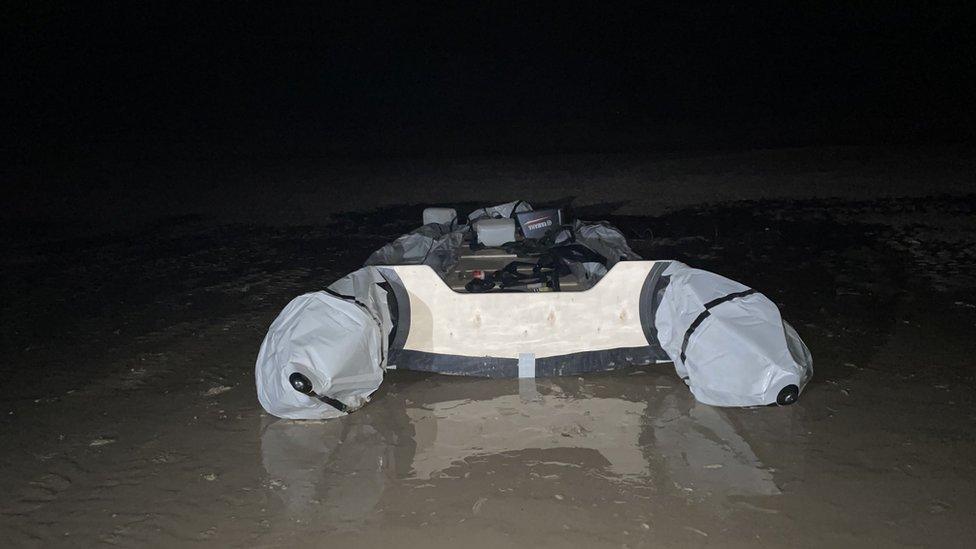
x: 507, y: 209
x: 604, y: 239
x: 439, y: 245
x: 337, y: 344
x: 728, y: 342
x: 435, y: 244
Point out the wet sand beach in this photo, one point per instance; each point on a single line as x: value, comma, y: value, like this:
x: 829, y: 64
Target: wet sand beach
x: 129, y: 415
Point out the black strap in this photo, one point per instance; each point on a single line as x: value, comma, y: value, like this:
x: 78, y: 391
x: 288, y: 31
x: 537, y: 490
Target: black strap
x: 730, y: 297
x: 337, y: 404
x: 705, y: 314
x: 334, y: 293
x: 303, y: 385
x: 545, y: 271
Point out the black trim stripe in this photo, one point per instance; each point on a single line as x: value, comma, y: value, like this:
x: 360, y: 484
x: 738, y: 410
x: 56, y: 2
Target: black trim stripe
x: 730, y: 297
x: 652, y: 292
x: 705, y: 314
x: 402, y: 325
x: 561, y: 365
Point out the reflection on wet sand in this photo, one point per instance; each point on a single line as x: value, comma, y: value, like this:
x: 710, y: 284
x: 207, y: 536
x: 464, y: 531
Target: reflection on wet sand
x: 316, y: 464
x: 340, y: 469
x: 703, y: 451
x: 448, y: 432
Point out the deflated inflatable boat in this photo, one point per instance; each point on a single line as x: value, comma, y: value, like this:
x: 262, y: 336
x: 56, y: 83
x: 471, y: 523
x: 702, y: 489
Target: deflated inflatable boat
x: 518, y: 293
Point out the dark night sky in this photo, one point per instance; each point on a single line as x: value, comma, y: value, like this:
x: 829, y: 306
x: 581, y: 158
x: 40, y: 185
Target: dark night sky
x: 234, y: 78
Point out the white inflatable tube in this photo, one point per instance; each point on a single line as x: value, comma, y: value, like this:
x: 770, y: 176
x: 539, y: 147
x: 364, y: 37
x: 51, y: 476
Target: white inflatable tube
x: 728, y: 342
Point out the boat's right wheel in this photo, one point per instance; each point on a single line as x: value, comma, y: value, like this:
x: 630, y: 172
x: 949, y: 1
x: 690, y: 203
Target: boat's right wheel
x: 788, y: 395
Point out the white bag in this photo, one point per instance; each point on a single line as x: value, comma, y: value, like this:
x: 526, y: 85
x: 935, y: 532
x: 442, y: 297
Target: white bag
x: 501, y: 211
x: 495, y: 232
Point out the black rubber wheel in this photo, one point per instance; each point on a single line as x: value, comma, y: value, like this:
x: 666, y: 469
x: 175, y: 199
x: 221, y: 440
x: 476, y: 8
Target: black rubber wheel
x: 300, y: 383
x: 788, y: 395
